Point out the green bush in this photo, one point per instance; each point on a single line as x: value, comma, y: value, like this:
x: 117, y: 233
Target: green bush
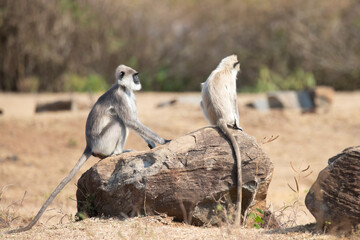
x: 91, y: 83
x: 272, y: 81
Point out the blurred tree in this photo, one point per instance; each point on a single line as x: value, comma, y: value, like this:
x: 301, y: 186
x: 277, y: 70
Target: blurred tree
x: 176, y: 44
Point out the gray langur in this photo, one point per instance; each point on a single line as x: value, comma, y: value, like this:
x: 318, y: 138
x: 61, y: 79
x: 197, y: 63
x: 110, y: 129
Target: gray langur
x: 219, y: 105
x: 107, y: 128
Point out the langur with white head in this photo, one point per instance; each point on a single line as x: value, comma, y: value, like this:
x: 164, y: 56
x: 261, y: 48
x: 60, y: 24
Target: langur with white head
x: 220, y: 108
x: 107, y: 128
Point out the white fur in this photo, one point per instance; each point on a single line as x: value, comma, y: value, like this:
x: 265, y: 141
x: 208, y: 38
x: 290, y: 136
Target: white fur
x: 128, y: 82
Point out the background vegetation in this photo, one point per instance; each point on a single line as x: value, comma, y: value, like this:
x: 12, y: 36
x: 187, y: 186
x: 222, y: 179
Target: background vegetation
x: 76, y: 44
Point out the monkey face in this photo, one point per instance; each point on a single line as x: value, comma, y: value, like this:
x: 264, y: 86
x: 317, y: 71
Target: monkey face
x: 231, y: 63
x: 128, y: 78
x: 136, y: 85
x: 237, y: 66
x: 136, y: 79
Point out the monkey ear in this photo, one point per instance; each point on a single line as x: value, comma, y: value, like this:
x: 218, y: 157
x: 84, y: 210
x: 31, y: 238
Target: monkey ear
x: 121, y: 75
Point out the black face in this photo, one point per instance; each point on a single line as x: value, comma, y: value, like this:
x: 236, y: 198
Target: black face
x: 136, y: 78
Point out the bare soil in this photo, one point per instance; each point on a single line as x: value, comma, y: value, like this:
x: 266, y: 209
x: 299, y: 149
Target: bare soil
x: 38, y: 150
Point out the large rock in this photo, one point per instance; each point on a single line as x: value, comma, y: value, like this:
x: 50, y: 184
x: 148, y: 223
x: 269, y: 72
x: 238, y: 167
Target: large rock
x: 185, y: 179
x: 334, y: 198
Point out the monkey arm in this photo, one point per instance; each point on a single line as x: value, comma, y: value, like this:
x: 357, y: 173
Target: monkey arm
x: 150, y: 143
x: 144, y: 131
x: 236, y: 111
x: 130, y: 120
x: 237, y: 124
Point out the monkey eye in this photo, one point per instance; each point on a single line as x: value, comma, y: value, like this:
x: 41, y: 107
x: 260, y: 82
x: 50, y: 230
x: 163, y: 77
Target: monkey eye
x: 121, y: 74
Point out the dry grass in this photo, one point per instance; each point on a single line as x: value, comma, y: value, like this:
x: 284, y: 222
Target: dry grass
x: 37, y: 151
x: 151, y: 228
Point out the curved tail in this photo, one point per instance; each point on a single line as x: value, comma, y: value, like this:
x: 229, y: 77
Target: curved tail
x: 62, y: 184
x: 223, y: 126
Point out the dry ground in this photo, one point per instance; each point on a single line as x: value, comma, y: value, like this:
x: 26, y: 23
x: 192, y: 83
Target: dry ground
x: 38, y: 150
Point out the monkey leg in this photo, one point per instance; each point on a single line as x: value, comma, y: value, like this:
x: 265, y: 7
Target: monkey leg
x: 121, y: 141
x: 111, y: 140
x: 127, y: 150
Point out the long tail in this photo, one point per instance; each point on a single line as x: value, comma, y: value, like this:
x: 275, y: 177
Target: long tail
x: 62, y: 184
x: 223, y: 126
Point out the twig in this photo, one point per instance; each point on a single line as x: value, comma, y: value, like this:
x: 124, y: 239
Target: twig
x: 22, y: 200
x: 291, y: 188
x: 272, y: 138
x: 307, y: 168
x: 308, y: 174
x: 297, y: 185
x: 293, y: 168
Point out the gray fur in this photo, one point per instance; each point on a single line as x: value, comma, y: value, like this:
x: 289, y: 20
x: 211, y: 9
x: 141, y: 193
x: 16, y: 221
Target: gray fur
x: 107, y: 128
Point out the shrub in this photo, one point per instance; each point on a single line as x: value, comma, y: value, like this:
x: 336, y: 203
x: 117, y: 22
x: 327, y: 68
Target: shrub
x: 91, y: 83
x: 271, y: 81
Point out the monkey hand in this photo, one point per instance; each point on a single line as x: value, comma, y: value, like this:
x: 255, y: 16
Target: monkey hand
x: 234, y: 126
x: 238, y: 128
x: 151, y: 144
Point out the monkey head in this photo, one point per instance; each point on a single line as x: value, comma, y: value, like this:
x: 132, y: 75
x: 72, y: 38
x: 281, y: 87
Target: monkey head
x: 230, y: 63
x: 127, y: 77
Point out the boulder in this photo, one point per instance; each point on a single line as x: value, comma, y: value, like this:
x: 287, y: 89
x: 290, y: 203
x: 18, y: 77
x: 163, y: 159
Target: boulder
x: 334, y: 198
x: 192, y: 178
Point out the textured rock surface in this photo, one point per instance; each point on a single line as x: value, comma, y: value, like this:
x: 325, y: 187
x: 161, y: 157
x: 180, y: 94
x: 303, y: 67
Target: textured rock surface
x: 334, y: 198
x: 186, y: 179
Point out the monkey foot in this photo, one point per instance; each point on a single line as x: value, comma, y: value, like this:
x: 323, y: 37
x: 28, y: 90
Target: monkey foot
x: 99, y: 155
